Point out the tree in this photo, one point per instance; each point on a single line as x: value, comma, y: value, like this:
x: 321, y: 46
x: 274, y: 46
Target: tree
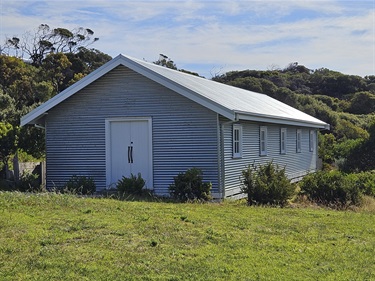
x: 56, y: 69
x: 362, y: 103
x: 11, y: 70
x: 22, y: 89
x: 46, y: 40
x: 90, y: 59
x: 361, y: 157
x: 247, y: 83
x: 347, y: 130
x: 326, y: 150
x: 22, y: 82
x: 166, y: 62
x: 8, y: 143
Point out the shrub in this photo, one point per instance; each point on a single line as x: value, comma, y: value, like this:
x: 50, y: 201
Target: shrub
x: 28, y: 182
x: 132, y: 185
x: 80, y: 185
x: 190, y: 186
x: 331, y: 188
x: 266, y: 184
x: 365, y: 181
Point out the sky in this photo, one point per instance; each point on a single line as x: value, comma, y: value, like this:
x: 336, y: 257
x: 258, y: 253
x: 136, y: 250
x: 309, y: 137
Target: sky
x: 213, y: 37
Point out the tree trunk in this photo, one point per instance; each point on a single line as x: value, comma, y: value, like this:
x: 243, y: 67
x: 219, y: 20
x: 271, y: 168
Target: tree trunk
x: 6, y: 169
x: 16, y: 167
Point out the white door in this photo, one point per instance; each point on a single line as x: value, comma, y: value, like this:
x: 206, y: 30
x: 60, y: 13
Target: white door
x: 129, y: 151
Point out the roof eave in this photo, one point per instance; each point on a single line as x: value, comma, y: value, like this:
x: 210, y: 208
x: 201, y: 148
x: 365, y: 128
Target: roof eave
x: 280, y: 120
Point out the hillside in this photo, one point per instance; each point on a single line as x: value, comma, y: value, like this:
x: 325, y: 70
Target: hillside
x: 323, y: 93
x: 62, y: 237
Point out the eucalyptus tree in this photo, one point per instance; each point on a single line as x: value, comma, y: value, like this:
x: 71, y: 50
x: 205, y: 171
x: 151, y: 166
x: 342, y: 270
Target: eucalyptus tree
x: 46, y: 40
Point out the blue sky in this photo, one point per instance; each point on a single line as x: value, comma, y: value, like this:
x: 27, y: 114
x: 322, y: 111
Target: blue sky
x: 213, y: 37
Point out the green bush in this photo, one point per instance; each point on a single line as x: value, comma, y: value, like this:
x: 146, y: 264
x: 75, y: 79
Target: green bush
x: 365, y: 181
x: 266, y: 184
x: 331, y: 188
x: 190, y: 186
x: 80, y: 185
x: 28, y: 182
x: 132, y: 185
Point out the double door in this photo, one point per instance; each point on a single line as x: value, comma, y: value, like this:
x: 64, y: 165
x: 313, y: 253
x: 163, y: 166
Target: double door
x: 129, y: 149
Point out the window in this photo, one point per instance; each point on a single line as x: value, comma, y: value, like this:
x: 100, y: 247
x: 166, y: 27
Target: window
x: 263, y: 141
x: 312, y: 140
x: 283, y: 140
x: 237, y: 141
x: 298, y: 140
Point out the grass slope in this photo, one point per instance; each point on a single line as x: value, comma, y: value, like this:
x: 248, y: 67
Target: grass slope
x: 61, y: 237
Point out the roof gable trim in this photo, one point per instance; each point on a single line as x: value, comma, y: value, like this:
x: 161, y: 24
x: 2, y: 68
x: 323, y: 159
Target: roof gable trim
x: 34, y: 115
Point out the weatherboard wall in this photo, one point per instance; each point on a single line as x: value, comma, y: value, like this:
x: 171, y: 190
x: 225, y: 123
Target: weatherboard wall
x: 184, y: 133
x: 296, y: 164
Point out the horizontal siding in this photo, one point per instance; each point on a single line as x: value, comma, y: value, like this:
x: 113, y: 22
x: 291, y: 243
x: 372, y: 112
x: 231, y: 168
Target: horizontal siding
x: 296, y: 164
x: 184, y: 133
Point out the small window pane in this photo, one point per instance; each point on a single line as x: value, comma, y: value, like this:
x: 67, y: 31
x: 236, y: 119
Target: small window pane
x: 263, y: 140
x: 299, y: 136
x: 312, y: 140
x: 237, y: 141
x: 283, y: 140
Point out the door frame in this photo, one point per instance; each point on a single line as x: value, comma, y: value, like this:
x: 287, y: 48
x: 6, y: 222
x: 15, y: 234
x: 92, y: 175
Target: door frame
x: 150, y: 180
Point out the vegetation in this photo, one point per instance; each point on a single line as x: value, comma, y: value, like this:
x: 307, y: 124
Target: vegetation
x: 190, y: 186
x: 29, y: 183
x: 267, y: 184
x: 365, y: 182
x: 80, y: 185
x: 131, y: 185
x: 332, y: 188
x: 46, y: 40
x: 61, y: 237
x: 55, y: 59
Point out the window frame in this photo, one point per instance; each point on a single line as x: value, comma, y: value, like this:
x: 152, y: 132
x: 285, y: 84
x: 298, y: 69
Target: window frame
x: 312, y: 141
x: 263, y: 142
x: 237, y: 142
x: 283, y: 140
x: 299, y: 141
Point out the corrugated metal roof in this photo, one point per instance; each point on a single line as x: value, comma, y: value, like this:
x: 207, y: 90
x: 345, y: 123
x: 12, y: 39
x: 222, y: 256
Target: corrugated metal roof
x: 235, y: 99
x: 226, y: 100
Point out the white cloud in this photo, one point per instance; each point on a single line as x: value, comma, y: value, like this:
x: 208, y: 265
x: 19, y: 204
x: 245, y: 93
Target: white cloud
x: 339, y: 35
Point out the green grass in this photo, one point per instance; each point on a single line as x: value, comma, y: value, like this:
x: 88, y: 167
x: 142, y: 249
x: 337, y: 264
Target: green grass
x: 62, y: 237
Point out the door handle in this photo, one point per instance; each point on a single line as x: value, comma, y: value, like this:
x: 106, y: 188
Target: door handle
x: 131, y: 154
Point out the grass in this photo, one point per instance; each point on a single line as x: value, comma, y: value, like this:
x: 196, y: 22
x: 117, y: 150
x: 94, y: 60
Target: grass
x: 62, y: 237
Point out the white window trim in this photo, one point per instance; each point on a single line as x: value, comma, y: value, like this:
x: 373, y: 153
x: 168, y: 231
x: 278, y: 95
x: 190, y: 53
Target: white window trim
x: 263, y: 142
x: 312, y: 141
x: 299, y: 141
x: 237, y: 153
x: 283, y: 139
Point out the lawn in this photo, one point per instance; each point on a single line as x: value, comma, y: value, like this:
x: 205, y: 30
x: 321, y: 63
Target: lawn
x: 62, y: 237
